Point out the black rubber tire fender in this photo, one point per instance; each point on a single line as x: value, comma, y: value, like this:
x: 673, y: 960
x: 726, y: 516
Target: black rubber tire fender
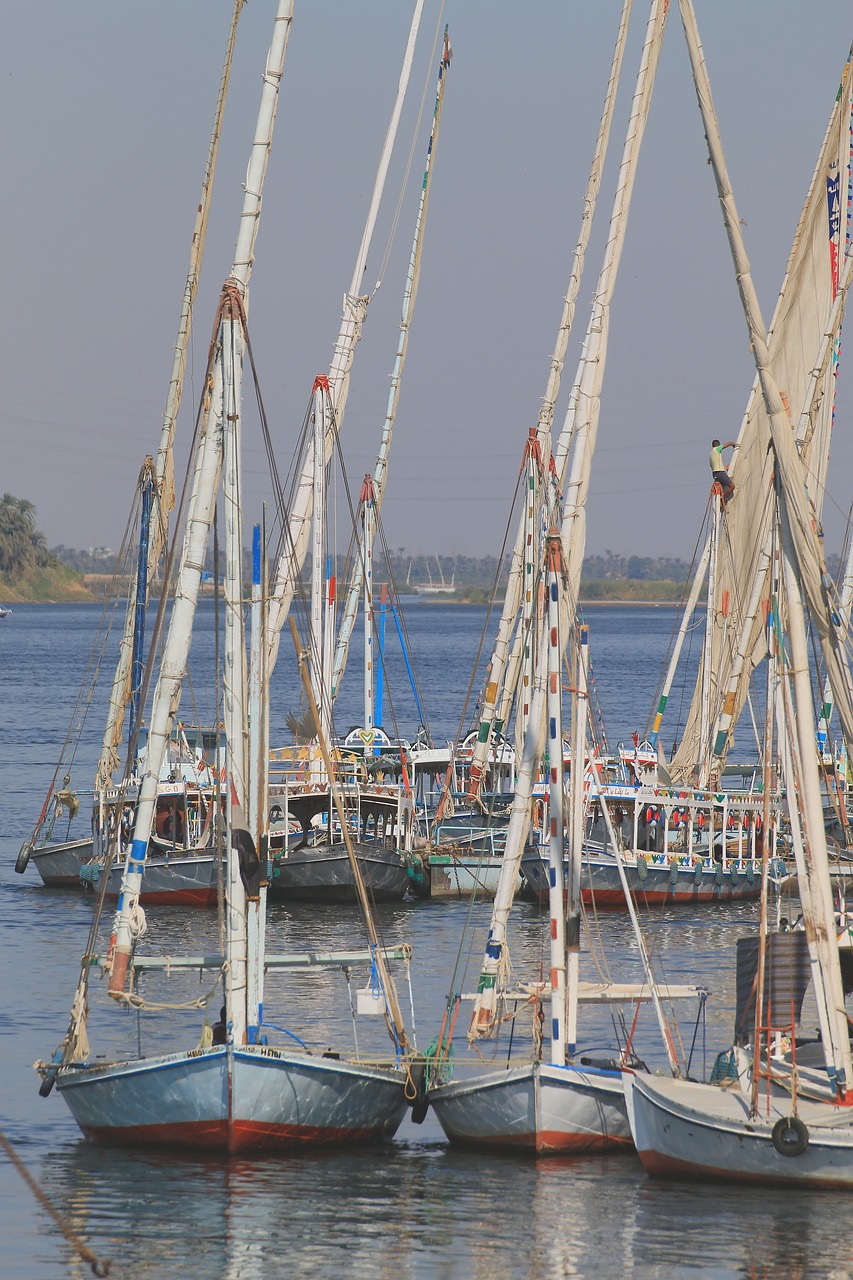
x: 790, y: 1136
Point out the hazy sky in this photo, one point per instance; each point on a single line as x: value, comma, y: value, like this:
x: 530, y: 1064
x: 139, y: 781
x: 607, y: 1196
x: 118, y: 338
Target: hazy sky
x: 107, y: 109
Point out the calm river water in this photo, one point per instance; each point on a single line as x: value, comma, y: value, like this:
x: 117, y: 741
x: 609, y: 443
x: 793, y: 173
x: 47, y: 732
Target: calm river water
x: 415, y: 1208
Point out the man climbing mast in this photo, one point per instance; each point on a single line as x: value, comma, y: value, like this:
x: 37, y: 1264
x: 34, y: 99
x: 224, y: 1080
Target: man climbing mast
x: 718, y: 469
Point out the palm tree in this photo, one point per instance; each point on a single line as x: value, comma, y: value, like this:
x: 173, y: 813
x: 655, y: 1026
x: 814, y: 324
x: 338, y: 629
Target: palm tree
x: 21, y: 544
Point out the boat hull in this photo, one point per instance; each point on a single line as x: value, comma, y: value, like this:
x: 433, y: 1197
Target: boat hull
x: 458, y: 875
x: 59, y: 864
x: 185, y: 880
x: 652, y: 882
x: 180, y: 880
x: 683, y: 1129
x: 322, y: 873
x: 538, y: 1108
x: 234, y: 1100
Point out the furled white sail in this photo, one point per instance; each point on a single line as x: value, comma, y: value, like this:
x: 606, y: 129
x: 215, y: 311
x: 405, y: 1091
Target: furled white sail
x: 164, y: 491
x: 804, y: 573
x: 211, y: 455
x: 380, y: 470
x: 494, y: 712
x: 352, y: 320
x: 803, y: 316
x: 573, y: 532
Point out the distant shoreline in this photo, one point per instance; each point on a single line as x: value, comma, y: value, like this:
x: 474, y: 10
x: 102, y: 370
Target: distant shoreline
x: 90, y: 598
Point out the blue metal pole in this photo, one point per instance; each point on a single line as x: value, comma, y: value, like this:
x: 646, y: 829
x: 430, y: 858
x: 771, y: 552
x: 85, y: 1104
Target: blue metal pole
x: 408, y: 665
x: 380, y: 666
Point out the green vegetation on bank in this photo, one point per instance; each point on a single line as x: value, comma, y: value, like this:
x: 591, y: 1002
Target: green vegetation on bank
x: 28, y: 571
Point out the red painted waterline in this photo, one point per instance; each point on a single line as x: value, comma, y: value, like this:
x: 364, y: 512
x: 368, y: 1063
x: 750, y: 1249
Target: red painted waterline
x: 219, y: 1135
x: 661, y: 1166
x: 554, y: 1142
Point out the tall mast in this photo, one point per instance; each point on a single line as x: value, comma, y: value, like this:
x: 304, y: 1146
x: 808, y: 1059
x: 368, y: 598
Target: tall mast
x: 165, y: 485
x: 710, y: 622
x: 530, y: 614
x: 556, y: 842
x: 580, y: 713
x: 136, y: 666
x: 573, y: 532
x: 489, y: 720
x: 321, y: 417
x: 802, y: 560
x: 368, y: 507
x: 361, y: 562
x: 234, y: 670
x: 208, y: 465
x: 257, y: 809
x: 692, y: 600
x: 352, y: 321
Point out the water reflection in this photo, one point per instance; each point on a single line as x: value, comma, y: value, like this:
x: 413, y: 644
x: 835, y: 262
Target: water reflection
x: 408, y: 1211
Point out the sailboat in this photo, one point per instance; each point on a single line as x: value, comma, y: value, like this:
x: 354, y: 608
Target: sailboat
x: 440, y: 588
x: 235, y: 1090
x: 558, y: 1098
x: 785, y: 1115
x: 571, y: 1102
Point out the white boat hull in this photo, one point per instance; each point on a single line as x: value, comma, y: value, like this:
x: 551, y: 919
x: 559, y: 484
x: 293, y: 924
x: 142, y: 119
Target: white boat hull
x: 538, y: 1108
x: 464, y: 875
x: 234, y: 1100
x: 684, y: 1129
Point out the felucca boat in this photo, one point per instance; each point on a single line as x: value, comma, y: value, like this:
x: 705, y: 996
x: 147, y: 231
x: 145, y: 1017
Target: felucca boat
x: 240, y: 1087
x: 548, y: 1095
x: 780, y: 1111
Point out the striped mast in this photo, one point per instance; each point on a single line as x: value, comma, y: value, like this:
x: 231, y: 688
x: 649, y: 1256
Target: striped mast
x: 352, y: 320
x: 490, y: 721
x: 573, y: 531
x: 805, y: 585
x: 164, y: 494
x: 222, y: 380
x: 321, y: 417
x: 530, y: 614
x: 580, y: 716
x: 362, y: 563
x: 556, y: 841
x: 257, y: 810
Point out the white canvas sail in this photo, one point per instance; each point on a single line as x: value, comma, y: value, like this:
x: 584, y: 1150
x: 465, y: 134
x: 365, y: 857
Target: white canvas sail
x: 801, y: 320
x: 499, y: 691
x: 164, y: 492
x: 354, y: 313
